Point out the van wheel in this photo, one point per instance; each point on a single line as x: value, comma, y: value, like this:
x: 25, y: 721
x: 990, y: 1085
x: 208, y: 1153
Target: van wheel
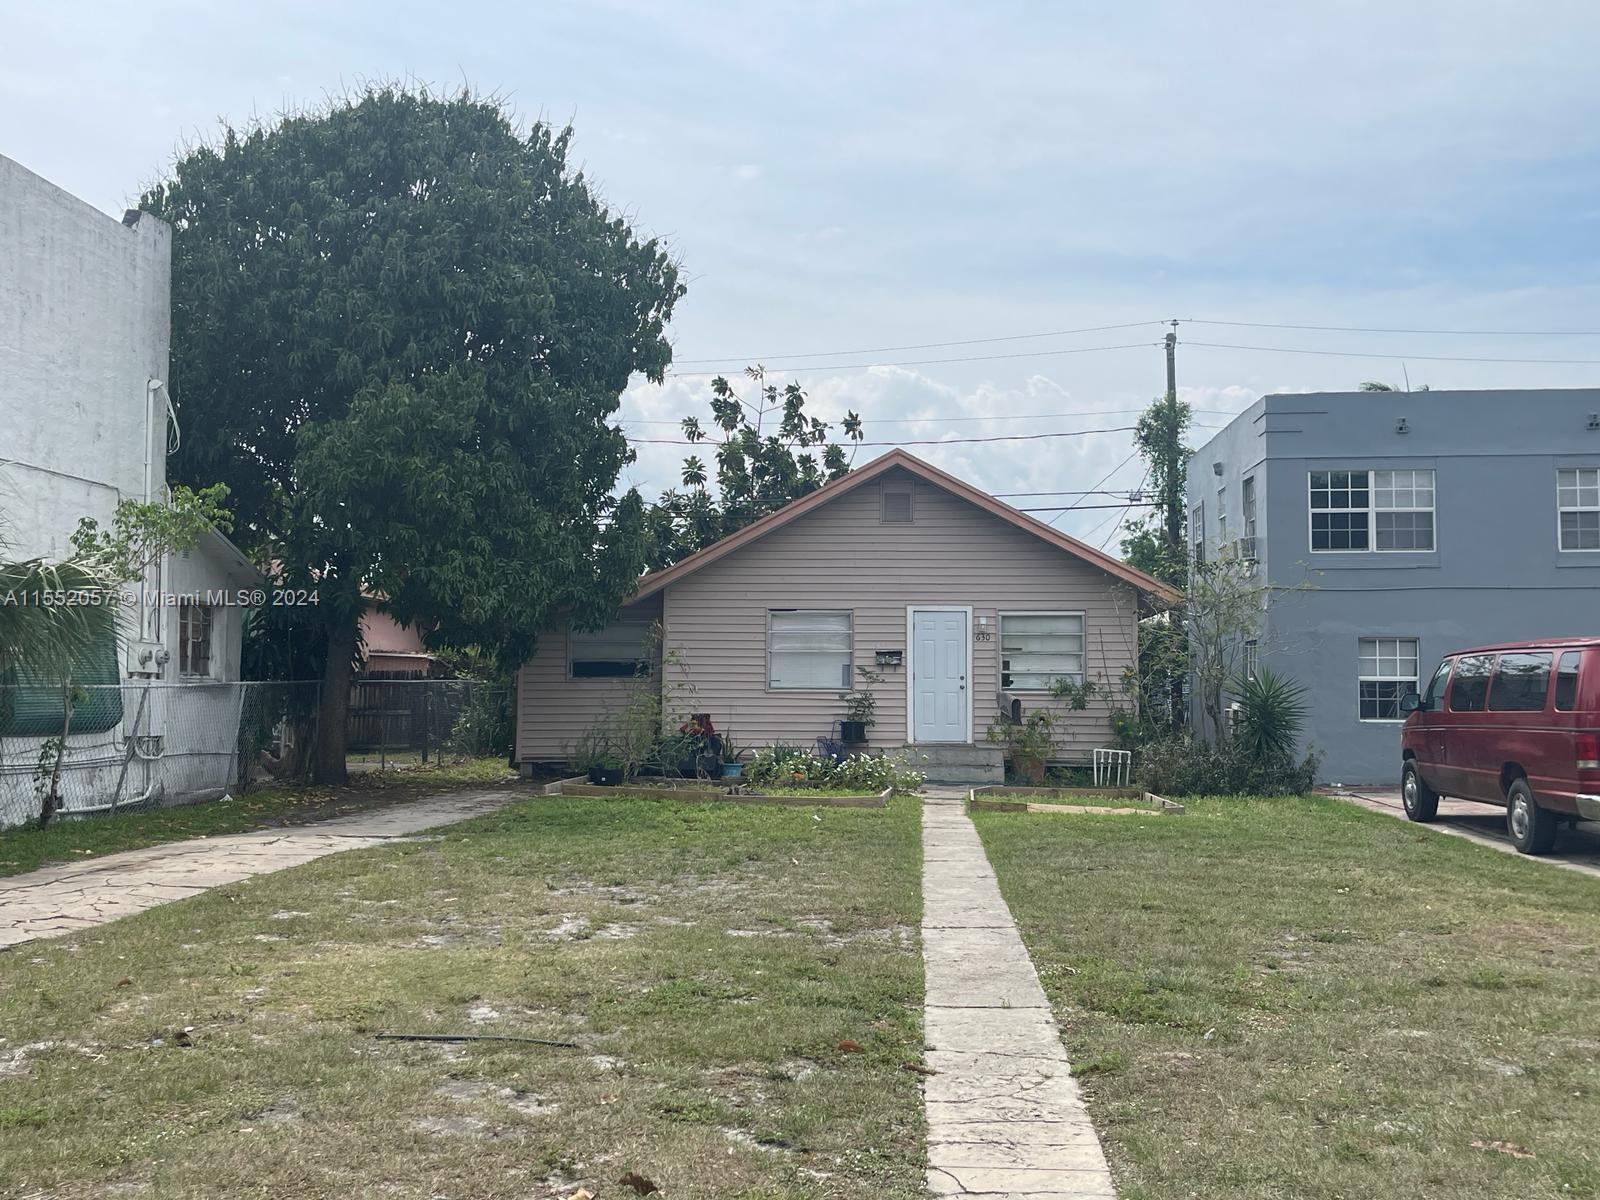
x: 1532, y: 829
x: 1420, y: 800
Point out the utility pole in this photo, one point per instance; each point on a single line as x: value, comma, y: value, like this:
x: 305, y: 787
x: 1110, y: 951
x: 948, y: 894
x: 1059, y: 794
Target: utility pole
x: 1174, y: 499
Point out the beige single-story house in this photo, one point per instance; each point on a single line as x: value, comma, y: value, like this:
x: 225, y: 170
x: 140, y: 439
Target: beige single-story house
x: 958, y: 602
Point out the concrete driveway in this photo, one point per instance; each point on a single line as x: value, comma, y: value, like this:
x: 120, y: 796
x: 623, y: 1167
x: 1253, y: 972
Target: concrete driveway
x: 1576, y: 849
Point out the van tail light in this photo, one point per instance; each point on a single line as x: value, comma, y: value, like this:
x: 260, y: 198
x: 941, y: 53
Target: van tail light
x: 1587, y: 750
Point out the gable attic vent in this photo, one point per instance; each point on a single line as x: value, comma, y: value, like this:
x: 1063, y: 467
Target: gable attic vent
x: 896, y: 505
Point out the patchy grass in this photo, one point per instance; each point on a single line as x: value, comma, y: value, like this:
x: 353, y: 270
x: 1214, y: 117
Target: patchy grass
x: 708, y: 960
x: 1299, y: 998
x: 87, y: 837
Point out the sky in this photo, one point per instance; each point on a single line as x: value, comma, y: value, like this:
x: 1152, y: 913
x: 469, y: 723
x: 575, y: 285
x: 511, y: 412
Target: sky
x: 838, y: 179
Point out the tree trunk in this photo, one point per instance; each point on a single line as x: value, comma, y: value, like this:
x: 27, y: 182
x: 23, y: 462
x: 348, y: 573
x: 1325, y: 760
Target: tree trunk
x: 333, y: 710
x: 52, y: 796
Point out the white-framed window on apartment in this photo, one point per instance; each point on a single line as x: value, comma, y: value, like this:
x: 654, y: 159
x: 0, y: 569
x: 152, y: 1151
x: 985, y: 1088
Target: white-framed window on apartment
x: 1578, y: 506
x: 809, y: 648
x: 1197, y: 533
x: 1247, y: 515
x: 1222, y: 516
x: 194, y: 639
x: 1386, y: 511
x: 1388, y: 671
x: 1252, y: 658
x: 1038, y: 648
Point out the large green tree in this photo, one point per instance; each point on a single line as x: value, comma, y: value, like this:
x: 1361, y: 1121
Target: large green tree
x: 401, y: 328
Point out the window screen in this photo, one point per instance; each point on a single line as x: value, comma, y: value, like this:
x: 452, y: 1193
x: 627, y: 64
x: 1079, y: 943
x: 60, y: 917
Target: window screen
x: 1036, y: 649
x: 620, y: 650
x: 897, y: 506
x: 1567, y: 682
x: 31, y: 704
x: 809, y: 648
x: 1471, y: 684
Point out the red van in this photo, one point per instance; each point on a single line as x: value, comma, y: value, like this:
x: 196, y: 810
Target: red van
x: 1516, y: 725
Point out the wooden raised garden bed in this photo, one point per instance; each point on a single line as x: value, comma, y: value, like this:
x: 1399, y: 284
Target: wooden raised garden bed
x: 1014, y: 798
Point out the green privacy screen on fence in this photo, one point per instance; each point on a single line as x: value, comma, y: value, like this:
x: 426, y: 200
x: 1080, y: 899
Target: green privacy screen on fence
x: 31, y: 707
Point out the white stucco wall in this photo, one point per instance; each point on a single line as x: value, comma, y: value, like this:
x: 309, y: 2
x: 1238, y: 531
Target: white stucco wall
x: 85, y: 318
x: 85, y: 322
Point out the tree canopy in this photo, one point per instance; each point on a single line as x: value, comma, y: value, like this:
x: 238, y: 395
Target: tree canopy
x: 768, y: 453
x: 401, y: 329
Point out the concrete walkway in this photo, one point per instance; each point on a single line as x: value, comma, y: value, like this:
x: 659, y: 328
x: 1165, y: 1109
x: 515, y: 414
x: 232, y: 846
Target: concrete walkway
x: 1005, y: 1118
x: 1576, y: 849
x: 63, y: 899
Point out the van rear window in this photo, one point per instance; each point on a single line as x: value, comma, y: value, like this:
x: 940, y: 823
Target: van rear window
x: 1521, y: 682
x: 1471, y: 683
x: 1567, y: 682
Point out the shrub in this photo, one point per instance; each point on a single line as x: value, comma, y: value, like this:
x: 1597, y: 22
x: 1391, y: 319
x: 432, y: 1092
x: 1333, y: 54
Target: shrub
x: 790, y: 766
x: 1272, y: 711
x: 1183, y: 766
x: 483, y: 726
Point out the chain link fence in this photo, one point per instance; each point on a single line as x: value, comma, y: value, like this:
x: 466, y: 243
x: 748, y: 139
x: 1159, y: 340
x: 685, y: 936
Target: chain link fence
x: 136, y: 744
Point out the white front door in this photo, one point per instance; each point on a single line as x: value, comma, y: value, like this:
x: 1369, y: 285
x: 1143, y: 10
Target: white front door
x: 939, y: 640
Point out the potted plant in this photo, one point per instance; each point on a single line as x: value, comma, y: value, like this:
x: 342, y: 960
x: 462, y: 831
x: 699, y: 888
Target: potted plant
x: 860, y: 707
x: 1027, y: 742
x: 597, y: 756
x: 607, y: 771
x: 732, y: 757
x: 700, y: 752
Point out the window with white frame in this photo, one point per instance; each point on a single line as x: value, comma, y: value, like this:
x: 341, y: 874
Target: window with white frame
x: 1252, y: 658
x: 1578, y: 502
x: 809, y: 648
x: 1247, y: 525
x: 1197, y: 533
x: 1038, y: 648
x: 194, y: 639
x: 1222, y: 516
x: 1388, y: 671
x: 1371, y: 510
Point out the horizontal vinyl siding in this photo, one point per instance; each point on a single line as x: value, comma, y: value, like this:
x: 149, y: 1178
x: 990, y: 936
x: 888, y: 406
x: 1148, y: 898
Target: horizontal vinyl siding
x: 553, y: 711
x: 841, y: 556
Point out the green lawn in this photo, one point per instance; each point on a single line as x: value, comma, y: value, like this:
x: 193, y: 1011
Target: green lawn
x: 79, y: 838
x: 1296, y: 998
x: 707, y: 959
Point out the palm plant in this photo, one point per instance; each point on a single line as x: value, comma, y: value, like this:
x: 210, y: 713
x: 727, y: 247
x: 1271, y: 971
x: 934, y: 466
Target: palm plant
x: 37, y: 630
x: 1272, y: 714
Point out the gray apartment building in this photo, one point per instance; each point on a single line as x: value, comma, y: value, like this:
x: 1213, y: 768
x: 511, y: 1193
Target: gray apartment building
x: 1395, y: 527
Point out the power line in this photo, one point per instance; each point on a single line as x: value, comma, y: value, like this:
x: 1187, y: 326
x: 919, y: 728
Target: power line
x: 1099, y: 484
x: 1590, y: 362
x: 1062, y: 416
x: 1010, y: 337
x: 923, y: 362
x: 1004, y: 437
x: 1090, y: 507
x: 1390, y: 329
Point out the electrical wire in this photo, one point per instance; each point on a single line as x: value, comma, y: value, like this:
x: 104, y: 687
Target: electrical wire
x: 923, y: 362
x: 1390, y: 329
x: 1011, y: 337
x: 1063, y: 416
x: 1589, y: 362
x: 1099, y: 484
x: 959, y: 441
x: 1090, y: 507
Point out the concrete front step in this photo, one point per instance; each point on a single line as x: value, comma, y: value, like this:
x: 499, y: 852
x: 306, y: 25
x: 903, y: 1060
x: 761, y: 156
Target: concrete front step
x: 962, y: 763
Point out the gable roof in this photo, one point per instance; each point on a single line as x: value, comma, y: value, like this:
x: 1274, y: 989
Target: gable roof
x: 1147, y: 584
